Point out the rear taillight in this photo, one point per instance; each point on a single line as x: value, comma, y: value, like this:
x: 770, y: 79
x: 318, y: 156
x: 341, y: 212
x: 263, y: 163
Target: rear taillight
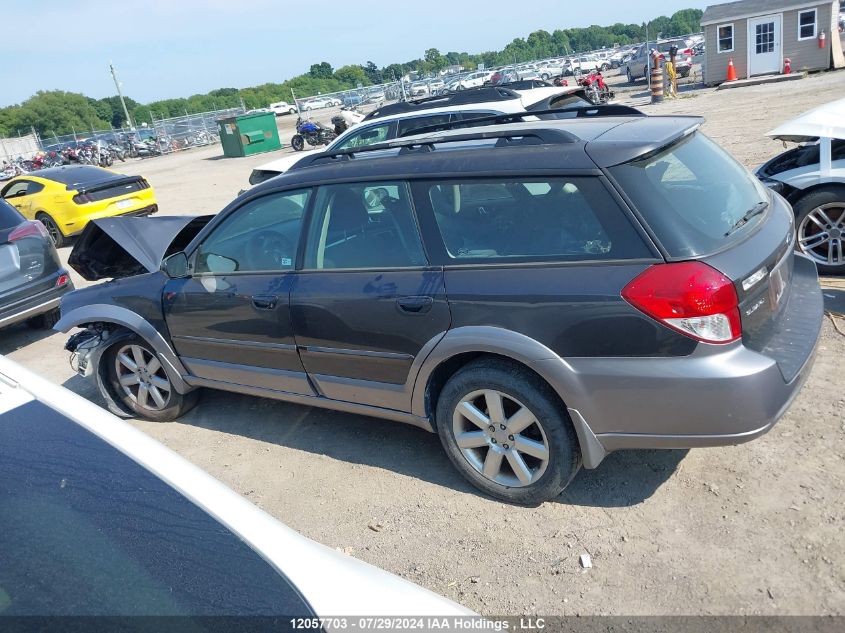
x: 30, y: 228
x: 62, y: 280
x: 690, y: 297
x: 83, y: 198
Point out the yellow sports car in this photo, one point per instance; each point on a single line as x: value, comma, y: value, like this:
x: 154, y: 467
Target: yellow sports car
x: 66, y: 198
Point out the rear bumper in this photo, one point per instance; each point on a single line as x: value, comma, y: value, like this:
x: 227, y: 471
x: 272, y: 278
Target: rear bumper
x: 33, y: 306
x: 718, y: 395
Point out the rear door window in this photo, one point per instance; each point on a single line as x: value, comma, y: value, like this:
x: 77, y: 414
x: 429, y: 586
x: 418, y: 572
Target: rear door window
x: 693, y: 195
x: 532, y: 219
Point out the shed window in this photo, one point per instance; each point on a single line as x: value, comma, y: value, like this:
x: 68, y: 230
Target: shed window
x: 725, y: 35
x: 807, y: 24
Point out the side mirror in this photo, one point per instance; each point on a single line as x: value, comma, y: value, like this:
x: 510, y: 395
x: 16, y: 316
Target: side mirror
x: 175, y: 266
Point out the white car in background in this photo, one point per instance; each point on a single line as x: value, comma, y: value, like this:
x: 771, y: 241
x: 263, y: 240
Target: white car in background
x: 549, y: 69
x: 473, y: 80
x: 101, y: 519
x: 319, y: 102
x: 379, y: 129
x: 282, y: 107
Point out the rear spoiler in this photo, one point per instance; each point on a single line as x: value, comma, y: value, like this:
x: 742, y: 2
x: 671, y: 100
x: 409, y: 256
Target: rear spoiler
x: 105, y: 184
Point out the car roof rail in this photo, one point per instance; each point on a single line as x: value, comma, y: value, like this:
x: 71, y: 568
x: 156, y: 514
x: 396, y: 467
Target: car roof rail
x: 470, y: 95
x: 581, y: 112
x: 541, y: 136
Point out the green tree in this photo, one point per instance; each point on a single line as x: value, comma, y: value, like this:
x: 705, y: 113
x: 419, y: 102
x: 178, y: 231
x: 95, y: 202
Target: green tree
x: 373, y: 73
x: 59, y: 111
x: 351, y: 75
x: 323, y: 70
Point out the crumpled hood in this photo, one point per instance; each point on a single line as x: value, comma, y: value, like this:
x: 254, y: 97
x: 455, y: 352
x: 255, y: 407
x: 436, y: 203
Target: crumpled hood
x: 827, y: 121
x: 126, y: 246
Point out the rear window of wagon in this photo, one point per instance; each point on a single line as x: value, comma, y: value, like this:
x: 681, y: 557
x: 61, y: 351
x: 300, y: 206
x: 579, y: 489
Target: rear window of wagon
x: 692, y: 194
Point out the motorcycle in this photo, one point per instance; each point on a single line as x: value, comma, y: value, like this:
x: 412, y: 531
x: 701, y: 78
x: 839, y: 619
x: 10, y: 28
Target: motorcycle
x: 597, y: 90
x: 348, y: 117
x: 312, y: 133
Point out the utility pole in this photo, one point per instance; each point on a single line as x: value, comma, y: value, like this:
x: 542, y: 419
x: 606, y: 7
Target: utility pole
x: 120, y: 94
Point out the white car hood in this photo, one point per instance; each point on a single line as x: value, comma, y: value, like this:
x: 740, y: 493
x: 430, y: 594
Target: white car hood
x: 284, y: 163
x: 827, y: 121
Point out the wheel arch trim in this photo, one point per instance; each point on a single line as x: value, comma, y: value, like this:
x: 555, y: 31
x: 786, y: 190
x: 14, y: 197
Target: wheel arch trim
x: 104, y: 313
x: 524, y: 350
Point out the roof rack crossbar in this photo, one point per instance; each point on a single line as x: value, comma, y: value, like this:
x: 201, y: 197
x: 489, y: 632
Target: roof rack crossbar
x: 533, y: 137
x: 517, y: 117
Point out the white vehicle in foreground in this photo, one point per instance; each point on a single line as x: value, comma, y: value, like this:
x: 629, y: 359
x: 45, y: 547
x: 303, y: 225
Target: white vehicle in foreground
x: 100, y: 519
x: 812, y: 178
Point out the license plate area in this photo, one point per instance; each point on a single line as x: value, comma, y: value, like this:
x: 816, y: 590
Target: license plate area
x: 124, y: 204
x: 777, y: 283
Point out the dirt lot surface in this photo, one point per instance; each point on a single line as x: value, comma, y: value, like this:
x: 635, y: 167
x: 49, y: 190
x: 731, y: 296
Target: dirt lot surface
x: 752, y: 529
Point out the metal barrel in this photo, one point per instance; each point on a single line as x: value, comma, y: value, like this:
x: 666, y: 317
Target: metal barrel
x: 656, y: 84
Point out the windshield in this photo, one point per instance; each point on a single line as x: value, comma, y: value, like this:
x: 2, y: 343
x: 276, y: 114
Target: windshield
x: 692, y: 194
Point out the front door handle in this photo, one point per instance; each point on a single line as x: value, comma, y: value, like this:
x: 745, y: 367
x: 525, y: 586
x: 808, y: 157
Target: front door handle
x: 415, y: 304
x: 265, y: 302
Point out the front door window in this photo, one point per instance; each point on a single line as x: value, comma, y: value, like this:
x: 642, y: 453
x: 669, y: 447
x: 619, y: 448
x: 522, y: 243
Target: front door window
x: 765, y: 38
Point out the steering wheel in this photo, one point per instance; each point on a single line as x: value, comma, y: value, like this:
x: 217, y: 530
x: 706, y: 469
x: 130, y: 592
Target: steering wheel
x: 269, y: 250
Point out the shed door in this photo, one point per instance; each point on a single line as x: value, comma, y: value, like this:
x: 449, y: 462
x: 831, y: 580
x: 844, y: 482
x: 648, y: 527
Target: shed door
x: 764, y: 45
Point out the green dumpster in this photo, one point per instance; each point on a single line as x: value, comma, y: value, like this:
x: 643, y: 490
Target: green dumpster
x: 249, y: 134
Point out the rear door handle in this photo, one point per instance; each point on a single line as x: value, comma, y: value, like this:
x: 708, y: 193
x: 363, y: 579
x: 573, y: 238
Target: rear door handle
x: 265, y: 302
x: 415, y: 304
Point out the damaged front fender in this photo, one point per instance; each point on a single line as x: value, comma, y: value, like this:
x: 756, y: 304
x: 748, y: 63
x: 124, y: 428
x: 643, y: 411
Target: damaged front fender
x: 122, y: 317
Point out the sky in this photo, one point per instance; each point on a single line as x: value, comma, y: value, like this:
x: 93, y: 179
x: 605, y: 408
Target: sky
x: 175, y: 48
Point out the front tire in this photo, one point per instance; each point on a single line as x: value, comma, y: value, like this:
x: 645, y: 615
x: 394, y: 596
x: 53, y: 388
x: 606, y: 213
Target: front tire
x: 820, y: 227
x: 53, y: 229
x: 507, y: 433
x: 138, y: 384
x: 297, y: 142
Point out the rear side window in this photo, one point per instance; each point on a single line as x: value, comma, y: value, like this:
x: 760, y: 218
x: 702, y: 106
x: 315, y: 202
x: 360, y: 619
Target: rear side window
x: 488, y: 220
x: 9, y: 217
x: 407, y: 126
x: 692, y: 194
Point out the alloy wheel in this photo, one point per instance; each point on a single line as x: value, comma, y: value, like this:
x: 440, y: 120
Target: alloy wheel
x: 500, y: 438
x: 52, y: 230
x: 142, y: 377
x: 821, y: 234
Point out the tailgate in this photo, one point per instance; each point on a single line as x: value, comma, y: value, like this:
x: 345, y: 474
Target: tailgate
x: 780, y: 302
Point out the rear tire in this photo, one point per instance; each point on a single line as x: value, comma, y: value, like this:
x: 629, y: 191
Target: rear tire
x: 136, y: 383
x: 53, y: 229
x: 820, y: 227
x: 529, y: 461
x: 44, y: 321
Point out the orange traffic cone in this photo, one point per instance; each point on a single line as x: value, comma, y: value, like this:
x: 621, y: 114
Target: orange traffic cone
x: 731, y: 70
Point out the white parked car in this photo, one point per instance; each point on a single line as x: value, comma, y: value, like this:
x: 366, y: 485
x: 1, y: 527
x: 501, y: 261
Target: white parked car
x: 473, y: 80
x: 283, y: 107
x: 319, y: 102
x: 812, y: 178
x: 100, y: 519
x: 398, y: 120
x: 548, y: 70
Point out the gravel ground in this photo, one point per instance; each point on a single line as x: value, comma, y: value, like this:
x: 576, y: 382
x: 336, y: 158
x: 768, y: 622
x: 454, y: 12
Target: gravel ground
x: 752, y: 529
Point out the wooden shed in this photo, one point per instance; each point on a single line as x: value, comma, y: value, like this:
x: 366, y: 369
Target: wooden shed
x: 760, y: 34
